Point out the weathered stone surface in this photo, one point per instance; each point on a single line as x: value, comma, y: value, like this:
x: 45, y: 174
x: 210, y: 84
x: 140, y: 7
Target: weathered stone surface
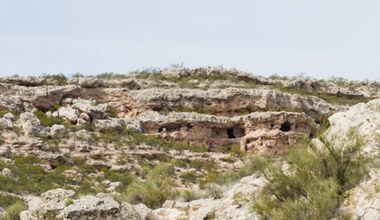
x: 51, y: 203
x: 229, y: 101
x: 68, y: 113
x: 258, y: 130
x: 5, y: 123
x: 88, y: 107
x: 30, y: 123
x: 8, y: 173
x: 134, y: 212
x: 57, y: 131
x: 91, y: 207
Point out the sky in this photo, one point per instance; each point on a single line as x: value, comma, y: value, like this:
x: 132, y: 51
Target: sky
x: 320, y: 39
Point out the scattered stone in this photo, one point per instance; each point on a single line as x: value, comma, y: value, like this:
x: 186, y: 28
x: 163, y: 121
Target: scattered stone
x: 58, y: 131
x: 8, y: 173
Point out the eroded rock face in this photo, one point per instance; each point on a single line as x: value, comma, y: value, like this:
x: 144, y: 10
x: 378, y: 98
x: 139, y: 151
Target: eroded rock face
x: 257, y: 131
x: 229, y: 101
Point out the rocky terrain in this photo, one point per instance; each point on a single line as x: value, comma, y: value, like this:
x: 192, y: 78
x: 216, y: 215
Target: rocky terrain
x: 205, y: 143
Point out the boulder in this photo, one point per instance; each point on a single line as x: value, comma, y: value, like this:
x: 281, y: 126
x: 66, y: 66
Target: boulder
x: 68, y: 113
x: 91, y: 207
x: 57, y: 130
x: 88, y: 107
x: 8, y: 173
x: 30, y: 123
x: 51, y: 203
x: 134, y: 212
x: 9, y: 116
x: 5, y: 123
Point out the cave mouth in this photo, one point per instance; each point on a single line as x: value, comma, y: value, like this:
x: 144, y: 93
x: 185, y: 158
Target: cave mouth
x: 286, y: 126
x: 230, y: 133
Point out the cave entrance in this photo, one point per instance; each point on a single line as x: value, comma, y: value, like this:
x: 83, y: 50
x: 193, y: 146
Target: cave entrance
x: 230, y: 133
x: 285, y: 127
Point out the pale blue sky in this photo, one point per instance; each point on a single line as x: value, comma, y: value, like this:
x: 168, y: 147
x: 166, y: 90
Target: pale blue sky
x: 321, y: 38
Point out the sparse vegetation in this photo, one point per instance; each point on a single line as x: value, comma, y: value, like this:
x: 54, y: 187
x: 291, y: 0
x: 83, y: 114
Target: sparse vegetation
x: 111, y: 75
x: 58, y: 79
x: 48, y: 121
x: 13, y: 211
x: 33, y: 179
x: 313, y: 183
x: 158, y: 187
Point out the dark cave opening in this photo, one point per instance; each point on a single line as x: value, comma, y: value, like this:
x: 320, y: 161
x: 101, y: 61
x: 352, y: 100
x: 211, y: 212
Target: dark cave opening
x: 230, y: 133
x: 285, y: 127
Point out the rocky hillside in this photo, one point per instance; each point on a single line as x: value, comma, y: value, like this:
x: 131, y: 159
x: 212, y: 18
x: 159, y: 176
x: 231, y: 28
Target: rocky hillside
x: 177, y: 144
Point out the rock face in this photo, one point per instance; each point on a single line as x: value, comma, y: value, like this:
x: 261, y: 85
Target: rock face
x: 229, y: 101
x: 364, y: 200
x: 254, y: 132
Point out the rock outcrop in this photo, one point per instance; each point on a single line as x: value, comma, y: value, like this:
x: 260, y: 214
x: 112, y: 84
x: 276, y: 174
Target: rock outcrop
x: 168, y: 132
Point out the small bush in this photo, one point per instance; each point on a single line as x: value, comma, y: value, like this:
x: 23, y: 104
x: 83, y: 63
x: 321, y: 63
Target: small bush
x: 8, y: 200
x: 214, y: 190
x: 314, y: 182
x: 59, y: 79
x: 189, y: 177
x: 124, y: 177
x: 159, y: 187
x: 48, y: 121
x: 13, y: 211
x: 68, y: 202
x: 188, y: 195
x: 111, y: 75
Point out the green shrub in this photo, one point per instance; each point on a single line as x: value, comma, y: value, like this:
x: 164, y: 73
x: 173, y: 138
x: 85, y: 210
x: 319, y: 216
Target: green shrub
x: 214, y: 190
x: 68, y: 202
x: 150, y: 194
x: 13, y: 211
x: 60, y: 79
x: 200, y: 165
x: 111, y: 75
x: 314, y: 182
x: 124, y: 177
x: 189, y: 177
x: 159, y: 187
x: 8, y: 200
x: 33, y: 179
x: 188, y: 195
x: 48, y: 121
